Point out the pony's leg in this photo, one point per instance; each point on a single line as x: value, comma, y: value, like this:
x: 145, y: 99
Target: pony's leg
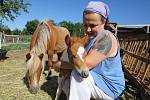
x: 59, y: 89
x: 45, y: 68
x: 49, y: 69
x: 50, y: 56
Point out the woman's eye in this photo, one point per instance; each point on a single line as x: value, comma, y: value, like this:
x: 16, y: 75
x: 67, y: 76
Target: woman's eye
x: 92, y: 25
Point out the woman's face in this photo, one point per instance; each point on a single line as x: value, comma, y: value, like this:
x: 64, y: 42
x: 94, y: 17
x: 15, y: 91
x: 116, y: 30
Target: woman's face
x: 92, y: 24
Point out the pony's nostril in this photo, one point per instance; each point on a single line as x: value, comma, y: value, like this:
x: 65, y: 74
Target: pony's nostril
x: 33, y: 90
x: 85, y: 74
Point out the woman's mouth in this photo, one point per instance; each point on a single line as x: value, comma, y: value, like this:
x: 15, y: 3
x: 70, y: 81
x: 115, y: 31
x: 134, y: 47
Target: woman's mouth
x: 91, y: 35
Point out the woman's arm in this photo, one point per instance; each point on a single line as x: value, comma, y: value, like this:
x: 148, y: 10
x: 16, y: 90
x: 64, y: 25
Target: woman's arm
x: 104, y: 48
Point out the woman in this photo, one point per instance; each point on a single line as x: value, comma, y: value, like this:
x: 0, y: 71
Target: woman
x: 106, y: 80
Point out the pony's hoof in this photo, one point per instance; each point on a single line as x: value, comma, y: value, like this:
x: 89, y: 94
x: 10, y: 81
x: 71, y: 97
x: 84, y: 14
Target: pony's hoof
x: 48, y: 78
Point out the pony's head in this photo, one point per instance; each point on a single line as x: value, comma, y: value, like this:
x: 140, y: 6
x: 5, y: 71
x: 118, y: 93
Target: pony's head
x: 35, y: 66
x: 77, y: 54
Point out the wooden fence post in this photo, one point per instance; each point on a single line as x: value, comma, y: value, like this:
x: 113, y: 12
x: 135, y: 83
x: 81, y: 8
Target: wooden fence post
x: 0, y: 40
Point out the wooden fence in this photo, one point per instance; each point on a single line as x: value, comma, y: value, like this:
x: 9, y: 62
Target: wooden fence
x: 135, y: 47
x: 14, y: 39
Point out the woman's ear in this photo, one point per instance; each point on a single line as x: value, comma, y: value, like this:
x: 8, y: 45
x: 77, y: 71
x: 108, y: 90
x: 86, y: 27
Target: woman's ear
x: 85, y: 40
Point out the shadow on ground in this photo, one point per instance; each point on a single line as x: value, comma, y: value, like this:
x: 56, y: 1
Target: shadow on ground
x: 4, y: 58
x: 50, y: 87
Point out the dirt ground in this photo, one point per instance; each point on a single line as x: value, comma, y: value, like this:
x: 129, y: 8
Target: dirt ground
x: 12, y: 87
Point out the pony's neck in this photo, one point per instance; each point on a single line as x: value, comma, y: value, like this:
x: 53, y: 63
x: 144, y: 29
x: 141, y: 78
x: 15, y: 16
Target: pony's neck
x: 42, y: 39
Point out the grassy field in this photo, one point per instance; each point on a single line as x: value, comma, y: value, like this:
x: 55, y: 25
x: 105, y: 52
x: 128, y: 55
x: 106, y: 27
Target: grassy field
x: 15, y: 46
x: 12, y: 87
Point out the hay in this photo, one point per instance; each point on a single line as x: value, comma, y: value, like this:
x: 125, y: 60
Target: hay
x: 12, y: 87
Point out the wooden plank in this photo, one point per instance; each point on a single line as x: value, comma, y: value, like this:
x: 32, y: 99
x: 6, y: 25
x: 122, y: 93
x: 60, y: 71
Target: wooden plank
x: 136, y: 52
x: 147, y: 68
x: 132, y: 25
x: 129, y: 49
x: 132, y: 58
x: 133, y: 36
x: 142, y: 53
x: 139, y: 63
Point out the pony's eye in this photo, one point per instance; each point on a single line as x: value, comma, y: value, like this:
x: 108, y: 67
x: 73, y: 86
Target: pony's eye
x: 74, y: 56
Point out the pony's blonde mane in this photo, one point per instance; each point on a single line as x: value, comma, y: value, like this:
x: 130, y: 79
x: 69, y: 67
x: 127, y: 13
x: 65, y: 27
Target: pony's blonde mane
x: 40, y: 47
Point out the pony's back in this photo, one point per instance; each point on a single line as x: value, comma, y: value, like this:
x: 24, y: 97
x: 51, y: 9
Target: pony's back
x: 60, y: 44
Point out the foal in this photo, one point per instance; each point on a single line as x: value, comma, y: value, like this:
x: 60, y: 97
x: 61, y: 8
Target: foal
x: 76, y: 53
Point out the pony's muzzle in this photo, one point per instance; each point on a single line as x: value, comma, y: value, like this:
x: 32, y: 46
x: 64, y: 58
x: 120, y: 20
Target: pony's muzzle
x: 85, y: 73
x: 34, y: 90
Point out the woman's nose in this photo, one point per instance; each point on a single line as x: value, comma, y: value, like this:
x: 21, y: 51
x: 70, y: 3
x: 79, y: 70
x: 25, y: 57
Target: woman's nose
x: 88, y: 29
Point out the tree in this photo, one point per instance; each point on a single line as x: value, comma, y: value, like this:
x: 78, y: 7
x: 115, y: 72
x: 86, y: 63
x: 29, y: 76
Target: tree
x: 75, y: 29
x: 10, y: 9
x: 5, y: 29
x: 24, y: 32
x: 16, y: 32
x: 53, y: 22
x: 78, y: 29
x: 67, y: 25
x: 31, y: 26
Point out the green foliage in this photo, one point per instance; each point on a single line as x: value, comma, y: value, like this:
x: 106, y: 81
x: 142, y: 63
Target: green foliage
x: 24, y: 32
x: 78, y: 29
x: 5, y: 29
x: 26, y: 38
x: 31, y: 26
x: 10, y: 9
x: 52, y: 21
x: 75, y: 29
x: 16, y: 32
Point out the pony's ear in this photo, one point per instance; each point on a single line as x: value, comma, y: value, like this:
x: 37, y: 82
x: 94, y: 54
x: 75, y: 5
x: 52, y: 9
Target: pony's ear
x: 28, y: 56
x: 68, y: 40
x: 85, y: 40
x: 41, y: 56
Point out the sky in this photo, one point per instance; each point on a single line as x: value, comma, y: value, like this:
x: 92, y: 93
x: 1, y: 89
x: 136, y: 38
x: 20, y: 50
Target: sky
x: 121, y: 11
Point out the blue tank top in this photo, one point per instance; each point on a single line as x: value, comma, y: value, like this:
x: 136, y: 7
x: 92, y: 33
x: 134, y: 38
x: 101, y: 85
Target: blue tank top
x: 108, y: 74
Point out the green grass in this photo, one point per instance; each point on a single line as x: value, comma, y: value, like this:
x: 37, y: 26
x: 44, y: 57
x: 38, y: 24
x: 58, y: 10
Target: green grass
x: 15, y: 46
x: 26, y: 38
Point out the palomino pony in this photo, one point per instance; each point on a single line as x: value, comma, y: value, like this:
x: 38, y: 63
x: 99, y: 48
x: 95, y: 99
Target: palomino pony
x: 46, y: 40
x: 76, y: 53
